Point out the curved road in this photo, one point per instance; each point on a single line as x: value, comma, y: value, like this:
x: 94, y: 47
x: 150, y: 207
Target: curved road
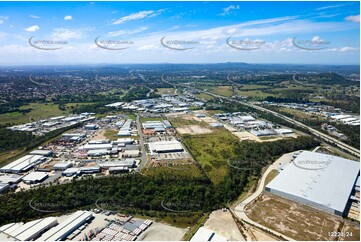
x: 239, y: 210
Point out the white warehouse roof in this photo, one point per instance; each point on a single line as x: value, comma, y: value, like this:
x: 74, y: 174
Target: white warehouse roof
x: 204, y: 234
x: 96, y: 147
x: 318, y: 180
x: 165, y: 146
x: 22, y: 164
x: 35, y: 176
x: 73, y: 222
x: 29, y: 230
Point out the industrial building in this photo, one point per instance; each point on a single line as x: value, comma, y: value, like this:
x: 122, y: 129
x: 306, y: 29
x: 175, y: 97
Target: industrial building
x: 165, y: 146
x: 4, y: 187
x: 23, y: 164
x: 322, y: 181
x: 129, y: 163
x: 41, y: 152
x: 65, y: 228
x: 30, y: 230
x: 204, y: 234
x: 35, y: 177
x: 62, y: 166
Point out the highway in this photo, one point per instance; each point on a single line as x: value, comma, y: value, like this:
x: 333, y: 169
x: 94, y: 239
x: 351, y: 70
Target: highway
x: 352, y: 150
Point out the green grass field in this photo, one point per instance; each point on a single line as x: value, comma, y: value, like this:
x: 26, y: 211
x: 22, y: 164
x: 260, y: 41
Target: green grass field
x: 181, y: 170
x: 165, y: 90
x: 204, y: 96
x: 39, y: 111
x: 180, y: 122
x: 212, y: 151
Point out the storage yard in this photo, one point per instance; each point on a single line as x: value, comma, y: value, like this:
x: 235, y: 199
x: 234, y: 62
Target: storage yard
x: 91, y: 226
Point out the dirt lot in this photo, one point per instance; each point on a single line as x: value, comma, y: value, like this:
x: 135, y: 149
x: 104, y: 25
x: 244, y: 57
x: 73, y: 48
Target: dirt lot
x: 99, y: 135
x: 162, y: 232
x: 261, y: 236
x: 297, y: 221
x: 223, y: 224
x: 193, y: 129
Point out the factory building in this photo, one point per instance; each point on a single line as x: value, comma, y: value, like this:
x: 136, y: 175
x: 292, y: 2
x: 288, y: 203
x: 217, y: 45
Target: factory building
x: 4, y: 187
x: 35, y: 177
x: 62, y: 166
x: 96, y: 147
x: 65, y: 228
x: 165, y: 146
x: 30, y: 230
x: 125, y: 129
x: 23, y: 164
x: 42, y: 152
x: 321, y: 181
x: 204, y: 234
x: 265, y: 132
x: 130, y: 163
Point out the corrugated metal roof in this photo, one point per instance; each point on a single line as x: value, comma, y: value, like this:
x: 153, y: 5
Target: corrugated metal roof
x: 323, y: 179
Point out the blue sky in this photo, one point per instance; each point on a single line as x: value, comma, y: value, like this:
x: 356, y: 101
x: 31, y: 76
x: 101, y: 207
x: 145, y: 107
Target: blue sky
x: 209, y: 32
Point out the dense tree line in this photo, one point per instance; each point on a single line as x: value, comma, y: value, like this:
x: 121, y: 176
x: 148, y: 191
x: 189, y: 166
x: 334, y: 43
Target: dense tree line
x: 149, y: 195
x: 11, y: 140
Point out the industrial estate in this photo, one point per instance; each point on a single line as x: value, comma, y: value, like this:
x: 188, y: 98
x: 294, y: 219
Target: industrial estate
x: 224, y: 151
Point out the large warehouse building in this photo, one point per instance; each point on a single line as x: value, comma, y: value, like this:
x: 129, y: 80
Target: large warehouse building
x: 61, y: 231
x: 165, y: 146
x: 30, y: 230
x: 318, y: 180
x: 23, y: 164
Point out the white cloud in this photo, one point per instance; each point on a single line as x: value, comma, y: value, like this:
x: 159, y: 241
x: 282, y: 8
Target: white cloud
x: 229, y: 9
x: 32, y: 28
x: 138, y: 15
x: 331, y: 6
x: 68, y: 17
x: 66, y: 34
x: 34, y: 16
x: 3, y: 18
x: 353, y: 18
x: 127, y: 32
x: 344, y: 49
